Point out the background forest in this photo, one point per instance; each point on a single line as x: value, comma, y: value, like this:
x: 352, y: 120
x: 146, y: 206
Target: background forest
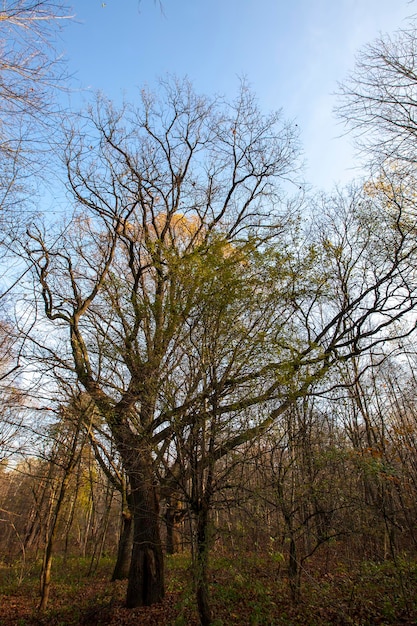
x: 207, y: 371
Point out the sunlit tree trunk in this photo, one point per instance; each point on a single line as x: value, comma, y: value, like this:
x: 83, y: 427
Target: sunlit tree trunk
x: 72, y: 448
x: 124, y: 550
x: 125, y: 546
x: 174, y: 516
x: 45, y: 579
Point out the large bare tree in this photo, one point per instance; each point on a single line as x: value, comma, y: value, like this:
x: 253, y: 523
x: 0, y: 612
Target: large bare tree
x: 155, y: 189
x: 30, y: 66
x: 179, y: 299
x: 378, y: 100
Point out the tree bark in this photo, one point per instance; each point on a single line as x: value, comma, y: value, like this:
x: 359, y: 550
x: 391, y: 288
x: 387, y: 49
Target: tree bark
x: 45, y: 577
x: 174, y: 516
x: 294, y: 571
x: 146, y: 574
x: 124, y: 552
x: 201, y: 556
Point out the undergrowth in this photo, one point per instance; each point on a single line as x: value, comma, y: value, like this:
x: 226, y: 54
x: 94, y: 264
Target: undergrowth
x: 249, y: 589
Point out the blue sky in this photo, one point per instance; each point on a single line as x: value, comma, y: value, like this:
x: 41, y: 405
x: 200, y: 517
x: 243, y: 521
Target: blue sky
x: 292, y: 52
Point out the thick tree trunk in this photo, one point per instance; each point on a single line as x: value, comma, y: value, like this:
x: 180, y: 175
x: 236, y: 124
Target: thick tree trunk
x: 146, y: 574
x: 124, y: 552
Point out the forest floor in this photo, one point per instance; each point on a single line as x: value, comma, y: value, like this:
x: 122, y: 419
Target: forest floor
x: 250, y: 591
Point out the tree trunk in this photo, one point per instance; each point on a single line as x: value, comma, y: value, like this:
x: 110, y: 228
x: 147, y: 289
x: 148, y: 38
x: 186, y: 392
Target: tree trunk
x: 294, y: 571
x: 101, y: 536
x: 174, y: 516
x: 45, y: 581
x: 68, y: 525
x: 146, y: 574
x: 124, y: 552
x: 45, y: 577
x: 201, y: 568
